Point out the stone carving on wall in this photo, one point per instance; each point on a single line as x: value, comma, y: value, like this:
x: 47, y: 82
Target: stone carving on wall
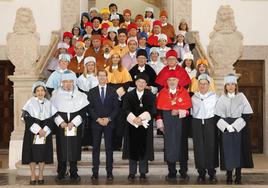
x: 23, y: 44
x: 226, y: 43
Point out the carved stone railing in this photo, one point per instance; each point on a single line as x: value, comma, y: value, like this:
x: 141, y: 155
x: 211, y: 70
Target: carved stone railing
x: 45, y: 58
x: 192, y: 37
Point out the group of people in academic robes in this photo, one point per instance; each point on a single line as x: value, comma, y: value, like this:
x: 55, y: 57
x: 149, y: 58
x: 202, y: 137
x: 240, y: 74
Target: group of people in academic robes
x: 114, y: 100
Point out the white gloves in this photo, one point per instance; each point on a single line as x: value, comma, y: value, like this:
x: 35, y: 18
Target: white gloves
x: 237, y: 125
x: 230, y: 128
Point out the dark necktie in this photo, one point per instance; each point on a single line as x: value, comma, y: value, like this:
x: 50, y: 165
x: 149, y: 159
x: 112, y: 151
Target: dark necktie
x: 102, y: 95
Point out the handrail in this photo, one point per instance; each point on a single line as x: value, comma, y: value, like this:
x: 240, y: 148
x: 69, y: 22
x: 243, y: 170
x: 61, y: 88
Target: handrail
x: 192, y: 37
x: 45, y: 58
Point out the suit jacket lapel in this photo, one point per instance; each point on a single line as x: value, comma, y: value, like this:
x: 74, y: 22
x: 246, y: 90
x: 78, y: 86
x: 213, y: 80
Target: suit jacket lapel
x: 98, y: 94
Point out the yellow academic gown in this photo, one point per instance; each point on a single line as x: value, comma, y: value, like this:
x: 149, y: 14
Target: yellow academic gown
x: 194, y: 85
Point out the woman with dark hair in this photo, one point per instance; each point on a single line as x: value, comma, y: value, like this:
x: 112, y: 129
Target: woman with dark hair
x: 112, y: 35
x: 149, y: 15
x: 183, y: 26
x: 84, y: 20
x: 76, y: 31
x: 202, y: 68
x: 188, y: 64
x: 234, y: 111
x: 38, y: 114
x: 180, y: 46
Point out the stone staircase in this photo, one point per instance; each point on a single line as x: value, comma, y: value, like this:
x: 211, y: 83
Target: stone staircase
x: 158, y: 166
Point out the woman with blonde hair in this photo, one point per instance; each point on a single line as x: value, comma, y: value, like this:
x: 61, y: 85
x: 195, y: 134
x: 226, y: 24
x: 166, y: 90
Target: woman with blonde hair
x: 88, y: 79
x: 201, y: 68
x: 117, y: 74
x: 120, y: 79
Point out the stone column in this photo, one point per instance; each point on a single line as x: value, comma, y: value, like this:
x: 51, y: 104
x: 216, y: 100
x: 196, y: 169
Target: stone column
x: 23, y: 51
x: 177, y: 10
x: 22, y: 92
x: 70, y: 14
x: 92, y: 3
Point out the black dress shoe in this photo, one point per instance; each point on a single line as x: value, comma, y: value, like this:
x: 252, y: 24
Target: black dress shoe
x: 213, y: 179
x: 201, y: 179
x: 229, y: 181
x: 171, y: 178
x: 238, y: 181
x: 32, y: 182
x: 76, y: 178
x: 143, y: 177
x: 95, y: 176
x: 110, y: 176
x: 41, y: 182
x: 184, y: 176
x: 131, y: 177
x: 59, y: 178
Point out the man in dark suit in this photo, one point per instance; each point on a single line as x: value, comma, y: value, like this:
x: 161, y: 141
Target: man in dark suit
x: 113, y: 10
x: 103, y: 108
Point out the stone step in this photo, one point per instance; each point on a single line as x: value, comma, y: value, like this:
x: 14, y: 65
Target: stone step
x: 120, y: 166
x: 158, y: 143
x: 117, y: 156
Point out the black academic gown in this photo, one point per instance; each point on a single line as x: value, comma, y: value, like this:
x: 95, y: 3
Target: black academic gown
x: 235, y: 147
x: 149, y: 71
x: 86, y: 129
x: 138, y: 142
x: 69, y: 147
x: 205, y: 143
x: 33, y: 152
x: 120, y: 122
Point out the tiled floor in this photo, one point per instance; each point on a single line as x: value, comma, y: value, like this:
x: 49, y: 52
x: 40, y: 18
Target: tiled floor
x: 12, y: 179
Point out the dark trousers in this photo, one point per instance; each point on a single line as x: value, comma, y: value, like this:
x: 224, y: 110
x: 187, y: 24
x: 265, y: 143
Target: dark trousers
x: 62, y: 168
x: 202, y: 172
x: 143, y: 166
x: 108, y: 139
x: 237, y: 173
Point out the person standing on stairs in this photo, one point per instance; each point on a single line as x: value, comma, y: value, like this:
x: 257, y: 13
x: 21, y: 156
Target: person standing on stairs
x: 234, y: 111
x: 139, y: 106
x: 38, y: 114
x: 173, y: 102
x: 205, y: 130
x: 103, y: 109
x: 183, y: 81
x: 71, y: 105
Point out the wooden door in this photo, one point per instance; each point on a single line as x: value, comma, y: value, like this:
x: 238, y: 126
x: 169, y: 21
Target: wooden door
x: 6, y: 103
x: 251, y: 83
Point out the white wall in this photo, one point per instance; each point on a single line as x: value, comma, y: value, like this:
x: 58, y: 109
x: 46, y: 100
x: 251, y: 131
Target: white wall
x: 136, y: 6
x: 250, y: 18
x: 83, y: 6
x: 46, y: 13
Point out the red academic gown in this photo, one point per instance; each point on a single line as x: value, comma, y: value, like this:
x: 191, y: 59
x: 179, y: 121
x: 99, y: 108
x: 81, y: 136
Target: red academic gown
x: 166, y: 102
x: 180, y: 72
